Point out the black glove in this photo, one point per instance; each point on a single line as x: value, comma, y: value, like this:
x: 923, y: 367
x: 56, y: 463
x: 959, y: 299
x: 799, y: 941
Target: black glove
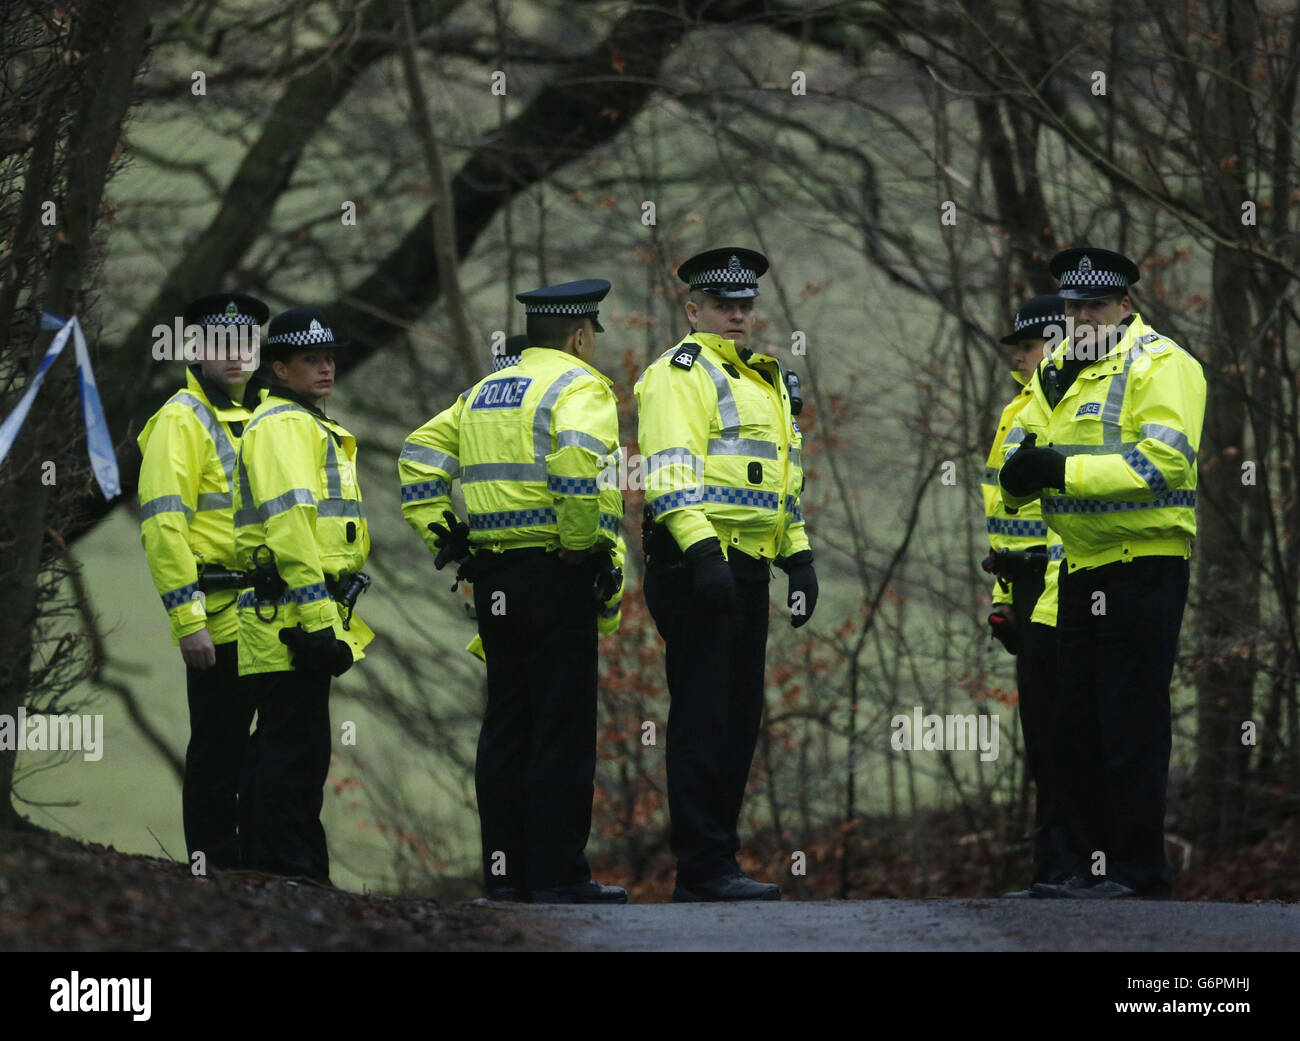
x: 317, y: 651
x: 711, y: 580
x: 1004, y: 631
x: 452, y: 541
x: 803, y: 579
x: 1030, y: 468
x: 609, y: 579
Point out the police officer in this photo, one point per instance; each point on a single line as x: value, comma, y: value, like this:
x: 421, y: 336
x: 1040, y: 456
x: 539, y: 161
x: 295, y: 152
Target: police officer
x: 529, y: 445
x: 721, y: 509
x: 1119, y: 411
x: 301, y: 533
x: 187, y: 527
x: 611, y: 611
x: 1026, y: 559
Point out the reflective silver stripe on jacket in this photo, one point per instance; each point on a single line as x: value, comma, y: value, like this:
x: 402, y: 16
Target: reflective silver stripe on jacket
x: 1111, y: 433
x: 742, y: 446
x: 287, y: 501
x: 214, y: 501
x: 727, y: 409
x: 673, y: 457
x: 164, y: 504
x: 225, y: 450
x: 542, y: 417
x: 341, y: 508
x: 1174, y: 438
x: 247, y: 514
x: 1113, y: 448
x: 448, y: 464
x: 569, y: 438
x: 476, y: 472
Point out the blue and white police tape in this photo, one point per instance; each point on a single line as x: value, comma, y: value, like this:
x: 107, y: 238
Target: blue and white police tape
x: 99, y: 442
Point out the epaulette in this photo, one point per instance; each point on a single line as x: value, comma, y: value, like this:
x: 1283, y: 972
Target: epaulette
x: 1155, y: 343
x: 684, y: 357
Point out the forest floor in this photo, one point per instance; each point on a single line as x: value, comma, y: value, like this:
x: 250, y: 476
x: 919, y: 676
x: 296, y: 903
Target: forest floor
x: 58, y: 894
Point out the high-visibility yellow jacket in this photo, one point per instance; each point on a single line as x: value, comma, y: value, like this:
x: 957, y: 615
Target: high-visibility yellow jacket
x: 186, y: 514
x: 1023, y: 529
x: 296, y: 492
x: 721, y: 448
x: 535, y: 448
x: 1130, y: 427
x: 1048, y: 605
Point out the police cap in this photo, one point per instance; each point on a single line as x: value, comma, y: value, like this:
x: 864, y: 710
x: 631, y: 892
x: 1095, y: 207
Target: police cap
x: 511, y: 352
x: 301, y: 328
x: 731, y: 272
x: 227, y: 309
x: 1089, y: 273
x: 581, y: 298
x: 1035, y: 317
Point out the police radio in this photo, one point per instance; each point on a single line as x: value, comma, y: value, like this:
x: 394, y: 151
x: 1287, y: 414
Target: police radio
x: 792, y: 386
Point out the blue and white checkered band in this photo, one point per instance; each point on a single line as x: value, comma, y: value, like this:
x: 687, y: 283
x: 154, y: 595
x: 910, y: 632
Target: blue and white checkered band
x: 725, y: 276
x: 1088, y: 276
x: 228, y: 319
x: 1022, y: 323
x: 317, y: 333
x: 504, y: 361
x: 584, y: 307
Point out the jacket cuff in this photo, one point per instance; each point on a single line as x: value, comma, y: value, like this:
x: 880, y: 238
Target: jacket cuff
x: 319, y: 614
x: 188, y: 618
x: 794, y: 560
x: 688, y: 527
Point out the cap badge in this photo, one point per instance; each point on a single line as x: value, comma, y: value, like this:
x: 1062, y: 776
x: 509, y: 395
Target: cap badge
x: 1085, y: 263
x: 315, y: 327
x: 734, y: 263
x: 232, y: 310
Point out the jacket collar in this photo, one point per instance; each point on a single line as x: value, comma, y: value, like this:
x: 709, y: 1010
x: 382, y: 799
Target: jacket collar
x: 215, y: 394
x: 279, y: 390
x: 536, y: 352
x: 728, y: 351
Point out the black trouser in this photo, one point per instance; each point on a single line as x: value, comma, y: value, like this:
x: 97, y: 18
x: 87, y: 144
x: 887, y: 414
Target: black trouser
x: 287, y: 763
x: 715, y: 665
x: 1036, y: 683
x: 536, y: 765
x: 221, y: 709
x: 1117, y: 659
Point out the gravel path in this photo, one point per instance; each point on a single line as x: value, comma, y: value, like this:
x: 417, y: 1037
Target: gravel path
x: 924, y: 925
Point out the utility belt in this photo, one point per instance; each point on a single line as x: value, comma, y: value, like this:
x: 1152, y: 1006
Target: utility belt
x: 1010, y: 565
x: 269, y: 589
x: 662, y: 552
x: 221, y: 580
x: 608, y: 577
